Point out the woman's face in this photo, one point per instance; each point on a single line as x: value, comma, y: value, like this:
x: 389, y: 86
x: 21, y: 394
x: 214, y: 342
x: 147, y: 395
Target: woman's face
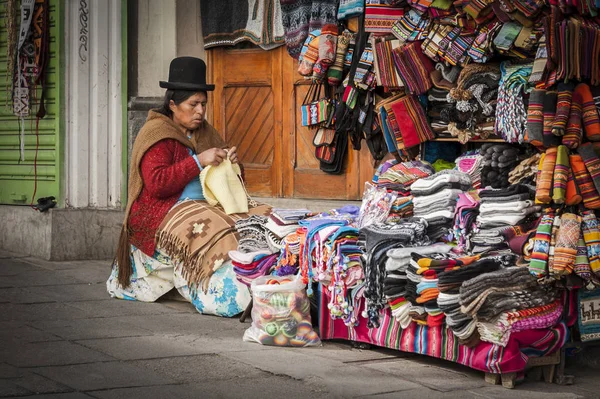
x: 190, y: 113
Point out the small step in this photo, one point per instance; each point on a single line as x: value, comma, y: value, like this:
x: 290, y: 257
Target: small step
x: 316, y: 205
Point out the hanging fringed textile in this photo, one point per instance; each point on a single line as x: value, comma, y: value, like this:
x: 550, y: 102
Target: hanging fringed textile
x: 31, y: 59
x: 10, y: 22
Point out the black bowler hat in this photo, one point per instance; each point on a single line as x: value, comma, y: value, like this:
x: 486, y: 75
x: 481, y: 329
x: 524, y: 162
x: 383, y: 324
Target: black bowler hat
x: 187, y: 73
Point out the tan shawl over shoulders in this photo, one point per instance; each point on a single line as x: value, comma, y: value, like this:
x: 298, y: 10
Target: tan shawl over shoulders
x: 157, y: 127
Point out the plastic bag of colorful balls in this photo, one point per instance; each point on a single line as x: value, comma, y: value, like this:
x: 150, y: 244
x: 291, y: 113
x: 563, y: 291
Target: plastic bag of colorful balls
x: 281, y: 313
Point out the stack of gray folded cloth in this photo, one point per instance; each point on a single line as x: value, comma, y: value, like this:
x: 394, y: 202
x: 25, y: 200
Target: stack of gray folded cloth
x: 486, y: 297
x: 499, y: 209
x: 462, y: 325
x: 434, y: 199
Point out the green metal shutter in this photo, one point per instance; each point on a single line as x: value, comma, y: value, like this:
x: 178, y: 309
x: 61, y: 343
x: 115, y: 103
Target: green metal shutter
x: 17, y: 178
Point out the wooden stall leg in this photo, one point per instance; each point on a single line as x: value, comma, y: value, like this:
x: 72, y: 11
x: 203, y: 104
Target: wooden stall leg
x: 246, y: 313
x: 561, y: 378
x: 492, y: 378
x: 549, y: 373
x: 508, y: 380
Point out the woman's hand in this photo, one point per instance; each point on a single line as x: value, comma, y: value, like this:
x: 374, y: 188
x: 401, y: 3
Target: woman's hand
x: 233, y: 157
x: 213, y: 157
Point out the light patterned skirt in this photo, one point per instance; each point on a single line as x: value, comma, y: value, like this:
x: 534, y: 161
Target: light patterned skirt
x: 155, y: 276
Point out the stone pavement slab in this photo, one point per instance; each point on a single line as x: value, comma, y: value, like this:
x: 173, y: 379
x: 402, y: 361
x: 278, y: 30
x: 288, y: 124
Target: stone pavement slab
x: 25, y: 295
x: 436, y: 377
x: 35, y: 278
x: 38, y: 384
x: 339, y: 379
x: 148, y: 347
x: 9, y: 388
x: 82, y: 329
x: 75, y: 292
x: 118, y: 307
x: 200, y: 368
x: 265, y: 387
x: 107, y: 375
x: 5, y: 254
x: 69, y: 265
x: 41, y: 311
x: 70, y: 395
x: 87, y: 274
x: 14, y: 334
x: 13, y: 267
x: 183, y: 323
x: 8, y: 371
x: 55, y: 353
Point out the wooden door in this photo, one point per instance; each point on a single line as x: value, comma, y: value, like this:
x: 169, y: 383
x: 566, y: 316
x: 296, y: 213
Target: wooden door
x: 247, y: 112
x: 256, y: 106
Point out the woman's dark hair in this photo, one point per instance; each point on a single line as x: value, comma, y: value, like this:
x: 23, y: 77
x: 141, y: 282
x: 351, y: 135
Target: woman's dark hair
x: 178, y: 96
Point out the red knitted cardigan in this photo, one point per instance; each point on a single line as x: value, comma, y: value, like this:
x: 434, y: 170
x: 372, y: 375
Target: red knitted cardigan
x: 166, y: 168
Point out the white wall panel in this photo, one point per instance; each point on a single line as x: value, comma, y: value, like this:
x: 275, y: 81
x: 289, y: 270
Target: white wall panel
x: 94, y: 104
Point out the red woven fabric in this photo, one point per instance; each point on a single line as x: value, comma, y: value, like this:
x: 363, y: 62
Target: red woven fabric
x: 167, y: 168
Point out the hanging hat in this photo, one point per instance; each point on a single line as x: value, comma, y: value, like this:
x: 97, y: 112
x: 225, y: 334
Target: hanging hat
x: 223, y: 185
x: 187, y: 73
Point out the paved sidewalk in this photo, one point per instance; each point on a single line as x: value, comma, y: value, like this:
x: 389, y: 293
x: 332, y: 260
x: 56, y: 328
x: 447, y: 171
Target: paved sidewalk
x: 61, y: 336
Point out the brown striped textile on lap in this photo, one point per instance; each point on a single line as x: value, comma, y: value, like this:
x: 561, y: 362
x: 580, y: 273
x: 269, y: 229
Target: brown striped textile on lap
x: 199, y: 237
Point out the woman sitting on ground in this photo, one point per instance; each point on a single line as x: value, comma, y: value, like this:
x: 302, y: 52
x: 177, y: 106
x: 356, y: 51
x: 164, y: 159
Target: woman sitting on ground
x: 169, y: 153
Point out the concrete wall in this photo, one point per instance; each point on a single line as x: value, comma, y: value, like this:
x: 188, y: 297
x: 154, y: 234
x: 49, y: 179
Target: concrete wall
x: 60, y: 234
x: 94, y: 106
x: 157, y: 44
x: 189, y: 29
x: 165, y: 29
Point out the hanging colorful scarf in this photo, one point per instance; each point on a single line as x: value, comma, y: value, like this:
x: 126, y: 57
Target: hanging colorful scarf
x: 411, y: 27
x: 591, y: 236
x: 565, y: 250
x: 544, y: 181
x: 380, y: 18
x: 387, y: 75
x: 414, y: 68
x: 585, y: 184
x: 412, y: 122
x: 561, y: 175
x: 541, y: 246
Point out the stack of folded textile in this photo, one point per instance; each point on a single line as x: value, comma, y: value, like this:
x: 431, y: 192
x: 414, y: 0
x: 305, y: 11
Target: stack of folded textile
x: 375, y: 240
x: 252, y: 234
x: 462, y: 325
x: 498, y: 331
x: 395, y: 282
x: 429, y: 268
x: 435, y: 200
x: 277, y: 228
x: 251, y: 265
x: 498, y: 161
x: 398, y: 177
x: 289, y: 216
x: 487, y: 296
x: 467, y: 209
x: 500, y: 209
x: 401, y: 208
x: 289, y: 257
